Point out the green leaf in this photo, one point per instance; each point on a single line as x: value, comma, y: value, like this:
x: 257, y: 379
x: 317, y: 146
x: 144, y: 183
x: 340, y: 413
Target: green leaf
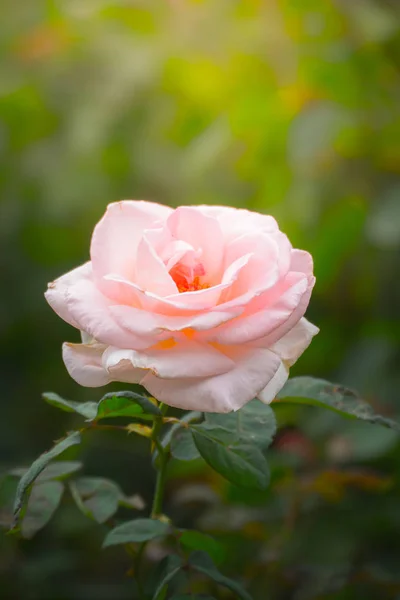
x: 96, y: 497
x: 139, y: 530
x: 136, y: 502
x: 126, y: 404
x: 42, y: 504
x: 176, y: 427
x: 195, y: 540
x: 56, y: 470
x: 113, y: 404
x: 255, y: 423
x: 182, y: 445
x: 140, y: 429
x: 8, y: 488
x: 173, y: 565
x: 318, y: 392
x: 201, y: 562
x: 36, y: 469
x: 241, y: 464
x: 86, y: 409
x: 187, y: 418
x: 218, y: 433
x: 163, y: 593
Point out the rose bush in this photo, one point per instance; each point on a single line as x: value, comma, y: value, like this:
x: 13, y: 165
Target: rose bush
x: 202, y: 305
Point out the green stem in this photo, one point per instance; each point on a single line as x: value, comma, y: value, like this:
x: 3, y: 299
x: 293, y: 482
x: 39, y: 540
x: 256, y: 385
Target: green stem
x: 159, y: 491
x: 138, y: 561
x: 163, y: 459
x: 158, y: 494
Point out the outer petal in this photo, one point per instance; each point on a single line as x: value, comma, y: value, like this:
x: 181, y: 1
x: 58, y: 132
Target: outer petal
x: 119, y: 367
x: 266, y: 315
x: 235, y: 221
x: 253, y: 369
x: 84, y: 364
x: 293, y: 344
x: 302, y: 266
x: 172, y: 360
x: 275, y: 385
x: 117, y: 235
x: 57, y: 292
x: 283, y: 328
x: 75, y: 298
x: 301, y: 262
x: 285, y: 252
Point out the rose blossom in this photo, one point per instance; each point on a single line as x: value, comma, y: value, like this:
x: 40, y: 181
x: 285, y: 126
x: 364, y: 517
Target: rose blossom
x: 201, y: 305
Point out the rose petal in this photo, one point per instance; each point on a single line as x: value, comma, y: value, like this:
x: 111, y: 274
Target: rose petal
x: 176, y: 304
x: 301, y: 262
x: 203, y: 233
x: 288, y: 324
x: 58, y: 291
x: 84, y: 364
x: 285, y: 253
x: 253, y: 369
x: 268, y: 394
x: 266, y: 314
x: 146, y: 324
x: 151, y: 273
x: 171, y: 359
x: 119, y: 367
x: 76, y: 299
x: 172, y: 251
x: 235, y: 222
x: 292, y: 344
x: 261, y: 270
x: 117, y: 235
x: 210, y: 297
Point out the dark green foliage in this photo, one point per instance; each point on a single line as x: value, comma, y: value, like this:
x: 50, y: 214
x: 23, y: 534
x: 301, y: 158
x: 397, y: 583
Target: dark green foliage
x: 86, y: 409
x: 195, y: 540
x: 230, y: 443
x: 125, y: 404
x: 112, y: 405
x: 202, y: 563
x: 253, y: 424
x: 42, y: 504
x: 36, y: 469
x: 56, y: 470
x: 318, y: 392
x: 183, y: 446
x: 239, y: 463
x: 188, y: 417
x: 170, y: 568
x: 99, y: 498
x: 139, y: 530
x: 96, y: 497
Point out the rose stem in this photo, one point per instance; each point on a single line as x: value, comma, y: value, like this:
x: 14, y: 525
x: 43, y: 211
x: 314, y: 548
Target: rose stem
x: 159, y: 490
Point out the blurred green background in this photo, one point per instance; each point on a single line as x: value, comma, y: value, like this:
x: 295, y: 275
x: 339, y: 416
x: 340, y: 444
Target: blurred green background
x: 289, y: 107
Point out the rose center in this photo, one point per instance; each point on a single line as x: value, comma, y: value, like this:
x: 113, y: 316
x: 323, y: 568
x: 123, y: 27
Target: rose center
x: 187, y: 278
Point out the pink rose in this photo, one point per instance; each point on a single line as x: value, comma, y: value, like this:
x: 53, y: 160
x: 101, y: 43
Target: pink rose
x: 202, y: 305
